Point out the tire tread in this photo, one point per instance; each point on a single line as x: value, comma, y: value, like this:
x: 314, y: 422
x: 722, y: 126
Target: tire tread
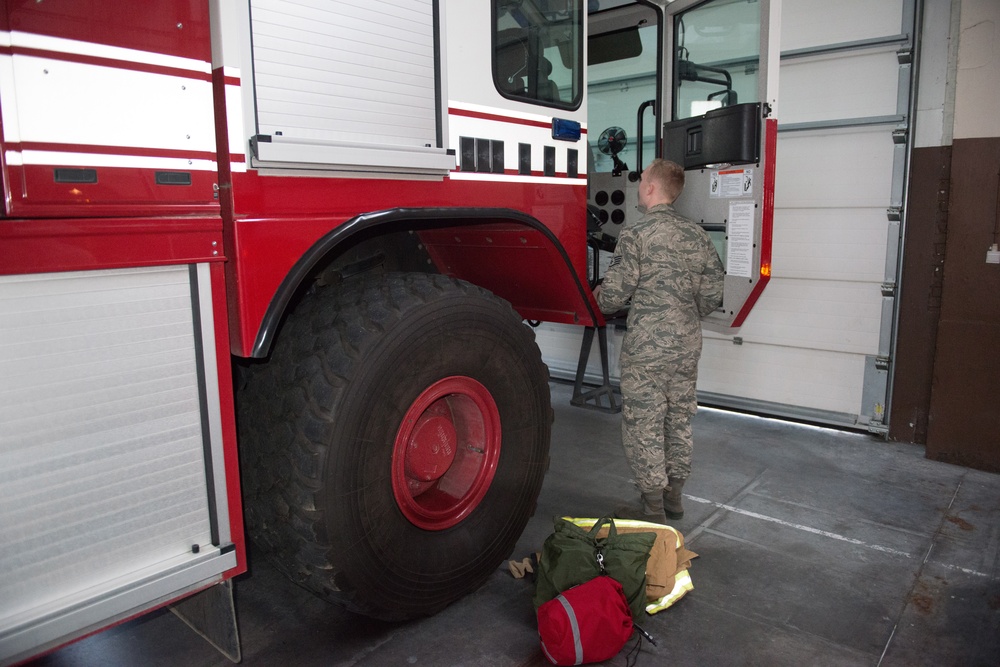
x: 288, y: 406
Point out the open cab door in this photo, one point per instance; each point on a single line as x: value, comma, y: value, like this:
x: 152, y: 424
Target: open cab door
x: 720, y: 107
x: 712, y: 109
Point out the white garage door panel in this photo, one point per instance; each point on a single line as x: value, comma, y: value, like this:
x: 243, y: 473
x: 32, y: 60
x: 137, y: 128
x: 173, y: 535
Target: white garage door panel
x: 773, y: 376
x: 806, y: 23
x: 846, y: 168
x: 815, y: 340
x: 836, y: 244
x: 560, y: 345
x: 824, y: 381
x: 837, y: 86
x: 821, y: 314
x: 817, y: 343
x: 831, y: 316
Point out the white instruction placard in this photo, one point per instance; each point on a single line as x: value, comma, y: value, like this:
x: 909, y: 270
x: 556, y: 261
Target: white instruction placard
x: 739, y: 233
x: 730, y: 183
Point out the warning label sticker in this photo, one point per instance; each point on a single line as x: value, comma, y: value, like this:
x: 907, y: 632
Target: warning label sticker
x: 731, y: 183
x: 739, y: 232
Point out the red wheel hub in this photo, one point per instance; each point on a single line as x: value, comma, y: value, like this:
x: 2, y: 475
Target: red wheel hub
x: 446, y: 453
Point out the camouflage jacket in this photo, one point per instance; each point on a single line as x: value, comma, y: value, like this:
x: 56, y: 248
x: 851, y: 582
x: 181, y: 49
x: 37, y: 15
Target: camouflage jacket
x: 669, y: 269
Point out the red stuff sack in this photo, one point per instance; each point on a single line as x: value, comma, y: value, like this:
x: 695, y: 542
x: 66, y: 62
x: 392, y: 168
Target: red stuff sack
x: 587, y: 623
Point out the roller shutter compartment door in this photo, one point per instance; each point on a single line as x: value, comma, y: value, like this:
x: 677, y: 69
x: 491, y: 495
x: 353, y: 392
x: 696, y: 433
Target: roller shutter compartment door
x: 347, y: 84
x: 109, y: 426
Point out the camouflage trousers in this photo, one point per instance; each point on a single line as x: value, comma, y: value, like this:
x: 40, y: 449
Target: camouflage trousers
x: 659, y: 400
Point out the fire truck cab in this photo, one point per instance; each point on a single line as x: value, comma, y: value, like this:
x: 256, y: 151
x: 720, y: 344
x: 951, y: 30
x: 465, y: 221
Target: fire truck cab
x: 267, y: 265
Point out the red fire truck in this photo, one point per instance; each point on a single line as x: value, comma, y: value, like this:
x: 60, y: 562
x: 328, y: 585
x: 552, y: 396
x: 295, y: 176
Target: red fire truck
x: 269, y: 263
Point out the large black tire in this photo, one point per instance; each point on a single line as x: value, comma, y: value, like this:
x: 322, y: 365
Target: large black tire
x: 395, y: 444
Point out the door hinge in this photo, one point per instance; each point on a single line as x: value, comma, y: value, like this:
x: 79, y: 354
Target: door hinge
x: 878, y: 428
x: 877, y: 423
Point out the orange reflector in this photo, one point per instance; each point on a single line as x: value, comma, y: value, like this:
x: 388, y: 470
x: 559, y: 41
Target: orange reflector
x: 765, y: 269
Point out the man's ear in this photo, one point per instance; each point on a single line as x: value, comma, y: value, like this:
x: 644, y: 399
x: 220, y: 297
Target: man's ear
x: 649, y: 186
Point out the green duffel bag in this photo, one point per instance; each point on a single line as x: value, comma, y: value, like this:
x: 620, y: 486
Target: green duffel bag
x: 572, y: 556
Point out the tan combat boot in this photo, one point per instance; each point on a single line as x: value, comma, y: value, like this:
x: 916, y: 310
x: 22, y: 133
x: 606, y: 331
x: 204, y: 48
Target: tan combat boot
x: 650, y: 509
x: 672, y: 499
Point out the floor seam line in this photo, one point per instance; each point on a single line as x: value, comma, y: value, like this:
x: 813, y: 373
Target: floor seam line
x: 920, y: 569
x: 719, y: 513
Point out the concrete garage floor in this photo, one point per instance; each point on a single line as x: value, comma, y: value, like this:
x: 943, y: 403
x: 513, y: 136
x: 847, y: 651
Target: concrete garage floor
x: 817, y: 547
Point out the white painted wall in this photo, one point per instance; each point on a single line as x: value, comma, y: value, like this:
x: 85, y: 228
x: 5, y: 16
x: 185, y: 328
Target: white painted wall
x: 935, y: 109
x: 977, y: 86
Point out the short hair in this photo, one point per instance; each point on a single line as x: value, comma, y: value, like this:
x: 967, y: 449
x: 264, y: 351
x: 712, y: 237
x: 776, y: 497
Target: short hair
x: 669, y: 176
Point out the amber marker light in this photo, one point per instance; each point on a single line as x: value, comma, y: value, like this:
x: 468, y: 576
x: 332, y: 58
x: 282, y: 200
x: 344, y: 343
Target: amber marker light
x: 765, y: 270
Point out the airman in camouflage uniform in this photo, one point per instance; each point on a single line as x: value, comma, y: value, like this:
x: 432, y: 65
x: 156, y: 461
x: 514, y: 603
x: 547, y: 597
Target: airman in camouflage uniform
x: 668, y: 268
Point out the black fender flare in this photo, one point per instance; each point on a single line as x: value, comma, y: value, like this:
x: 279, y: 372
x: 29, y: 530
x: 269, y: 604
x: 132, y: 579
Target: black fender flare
x: 420, y: 218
